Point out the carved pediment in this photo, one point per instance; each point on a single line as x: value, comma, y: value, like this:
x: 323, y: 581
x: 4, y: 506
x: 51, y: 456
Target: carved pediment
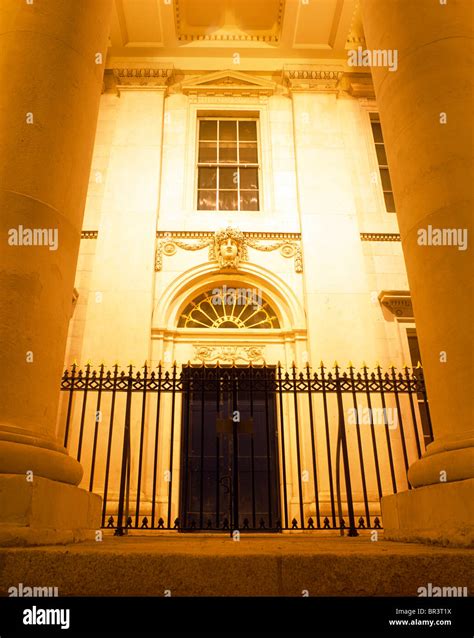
x: 228, y: 83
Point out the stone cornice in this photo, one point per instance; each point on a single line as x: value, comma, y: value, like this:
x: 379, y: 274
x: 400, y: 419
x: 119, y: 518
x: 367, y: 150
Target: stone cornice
x: 145, y: 79
x: 360, y: 85
x: 313, y: 77
x: 192, y: 234
x: 398, y: 302
x: 380, y: 237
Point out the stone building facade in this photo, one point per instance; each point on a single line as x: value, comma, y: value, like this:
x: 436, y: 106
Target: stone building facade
x: 186, y: 147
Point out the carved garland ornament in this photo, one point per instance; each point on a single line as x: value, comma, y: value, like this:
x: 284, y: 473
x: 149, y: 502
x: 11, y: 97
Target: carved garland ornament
x: 229, y: 354
x: 228, y: 247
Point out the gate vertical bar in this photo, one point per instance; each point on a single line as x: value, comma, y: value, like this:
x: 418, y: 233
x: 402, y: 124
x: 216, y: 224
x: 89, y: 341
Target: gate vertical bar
x: 142, y: 434
x: 235, y: 457
x: 171, y: 469
x: 69, y: 404
x: 218, y: 479
x: 328, y: 444
x: 98, y: 419
x: 283, y: 451
x: 155, y: 449
x: 359, y: 445
x: 252, y: 448
x: 412, y: 407
x: 109, y: 444
x: 186, y: 401
x: 313, y: 446
x: 201, y: 476
x: 298, y: 450
x: 400, y: 417
x: 372, y: 431
x: 425, y: 399
x: 267, y: 431
x: 387, y: 432
x: 345, y: 456
x: 83, y: 412
x: 125, y: 455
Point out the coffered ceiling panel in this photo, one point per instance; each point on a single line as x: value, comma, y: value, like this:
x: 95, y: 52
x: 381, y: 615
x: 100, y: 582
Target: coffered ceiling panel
x: 265, y: 33
x: 241, y: 18
x: 137, y: 23
x: 323, y: 24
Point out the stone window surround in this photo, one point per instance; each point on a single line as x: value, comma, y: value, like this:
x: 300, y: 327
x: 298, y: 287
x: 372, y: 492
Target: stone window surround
x: 229, y: 108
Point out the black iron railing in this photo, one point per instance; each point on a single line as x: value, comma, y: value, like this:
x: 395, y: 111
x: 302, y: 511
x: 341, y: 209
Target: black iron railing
x: 248, y: 448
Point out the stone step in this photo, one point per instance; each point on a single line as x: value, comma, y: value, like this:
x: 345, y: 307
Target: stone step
x: 160, y: 564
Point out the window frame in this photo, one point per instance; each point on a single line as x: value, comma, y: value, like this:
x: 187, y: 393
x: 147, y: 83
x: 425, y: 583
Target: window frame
x: 380, y: 166
x: 423, y: 406
x: 254, y: 117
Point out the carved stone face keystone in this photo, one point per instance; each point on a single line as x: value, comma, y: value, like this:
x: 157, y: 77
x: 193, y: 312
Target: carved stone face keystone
x: 229, y: 249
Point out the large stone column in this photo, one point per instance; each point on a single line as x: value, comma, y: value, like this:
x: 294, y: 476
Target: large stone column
x: 52, y: 56
x: 426, y: 114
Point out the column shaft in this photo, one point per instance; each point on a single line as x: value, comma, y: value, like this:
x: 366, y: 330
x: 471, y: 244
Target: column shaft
x: 51, y: 63
x: 431, y: 170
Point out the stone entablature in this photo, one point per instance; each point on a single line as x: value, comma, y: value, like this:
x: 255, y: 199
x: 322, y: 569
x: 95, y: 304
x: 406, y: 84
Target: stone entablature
x: 240, y: 86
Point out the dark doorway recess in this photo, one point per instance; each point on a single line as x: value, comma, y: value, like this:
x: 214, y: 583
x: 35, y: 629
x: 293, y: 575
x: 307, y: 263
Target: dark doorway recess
x: 229, y: 452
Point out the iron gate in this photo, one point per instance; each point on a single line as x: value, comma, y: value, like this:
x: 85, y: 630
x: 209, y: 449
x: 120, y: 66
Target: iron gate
x: 229, y: 456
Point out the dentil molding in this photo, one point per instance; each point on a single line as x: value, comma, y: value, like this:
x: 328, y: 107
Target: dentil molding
x: 398, y: 302
x: 313, y: 77
x: 147, y: 79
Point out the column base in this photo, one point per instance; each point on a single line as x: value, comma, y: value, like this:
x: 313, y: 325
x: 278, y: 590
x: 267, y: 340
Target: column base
x: 440, y: 514
x: 45, y: 512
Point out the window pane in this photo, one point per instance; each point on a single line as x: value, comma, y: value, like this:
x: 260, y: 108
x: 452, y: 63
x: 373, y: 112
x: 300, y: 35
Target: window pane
x: 207, y: 178
x: 208, y: 152
x: 385, y: 176
x: 228, y: 178
x: 227, y: 200
x: 389, y: 202
x: 248, y: 200
x: 228, y: 130
x: 248, y: 153
x: 227, y: 152
x: 377, y: 131
x: 206, y: 200
x: 381, y: 154
x: 248, y: 131
x: 248, y: 178
x: 208, y: 130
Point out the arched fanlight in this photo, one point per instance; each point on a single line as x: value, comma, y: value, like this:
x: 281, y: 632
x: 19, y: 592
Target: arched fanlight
x: 226, y: 307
